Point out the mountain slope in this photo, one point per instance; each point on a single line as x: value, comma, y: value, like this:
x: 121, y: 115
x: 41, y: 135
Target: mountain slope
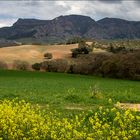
x: 119, y: 28
x: 65, y: 27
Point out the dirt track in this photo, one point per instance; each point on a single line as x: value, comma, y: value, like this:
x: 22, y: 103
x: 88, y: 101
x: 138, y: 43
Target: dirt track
x: 130, y: 106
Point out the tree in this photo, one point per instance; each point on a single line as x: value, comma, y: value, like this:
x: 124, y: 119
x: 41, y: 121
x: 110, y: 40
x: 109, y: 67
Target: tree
x: 48, y: 56
x: 83, y: 48
x: 36, y: 66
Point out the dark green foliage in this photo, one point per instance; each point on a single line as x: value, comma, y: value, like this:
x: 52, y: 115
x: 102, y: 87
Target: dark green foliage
x: 75, y: 52
x: 73, y: 98
x: 83, y: 48
x: 36, y: 66
x: 55, y: 65
x: 48, y: 56
x: 83, y: 68
x: 122, y: 66
x: 117, y: 49
x: 117, y: 65
x: 74, y: 40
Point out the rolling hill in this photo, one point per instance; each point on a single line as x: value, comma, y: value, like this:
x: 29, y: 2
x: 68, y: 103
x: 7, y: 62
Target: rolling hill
x: 34, y: 53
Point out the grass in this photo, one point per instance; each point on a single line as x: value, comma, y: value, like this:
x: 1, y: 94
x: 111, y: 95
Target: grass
x: 66, y: 91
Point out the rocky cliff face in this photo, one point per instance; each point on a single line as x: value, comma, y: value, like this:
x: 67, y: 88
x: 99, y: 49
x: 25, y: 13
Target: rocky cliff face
x: 65, y: 27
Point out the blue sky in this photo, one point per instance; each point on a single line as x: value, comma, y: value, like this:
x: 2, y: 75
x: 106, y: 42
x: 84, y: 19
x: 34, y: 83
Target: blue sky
x: 10, y: 10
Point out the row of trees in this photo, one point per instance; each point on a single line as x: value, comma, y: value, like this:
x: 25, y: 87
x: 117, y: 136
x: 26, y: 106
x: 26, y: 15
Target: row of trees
x: 114, y: 65
x: 120, y: 49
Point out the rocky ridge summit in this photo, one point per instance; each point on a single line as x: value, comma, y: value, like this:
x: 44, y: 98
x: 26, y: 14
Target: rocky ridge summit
x: 65, y: 27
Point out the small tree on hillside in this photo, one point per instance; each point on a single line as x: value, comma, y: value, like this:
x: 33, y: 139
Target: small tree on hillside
x: 36, y: 66
x: 83, y: 48
x: 48, y: 56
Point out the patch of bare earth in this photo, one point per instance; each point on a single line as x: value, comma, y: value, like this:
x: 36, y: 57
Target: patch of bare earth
x: 61, y: 51
x: 130, y: 106
x: 74, y: 108
x: 34, y: 53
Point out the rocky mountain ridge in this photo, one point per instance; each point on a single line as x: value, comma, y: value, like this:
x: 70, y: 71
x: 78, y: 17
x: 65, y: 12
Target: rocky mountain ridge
x: 65, y: 27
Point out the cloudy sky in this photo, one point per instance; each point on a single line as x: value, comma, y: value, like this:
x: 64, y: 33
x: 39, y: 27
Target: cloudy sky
x: 11, y: 10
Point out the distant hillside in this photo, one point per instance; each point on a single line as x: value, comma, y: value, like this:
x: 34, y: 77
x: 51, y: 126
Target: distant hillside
x: 65, y: 27
x: 7, y: 43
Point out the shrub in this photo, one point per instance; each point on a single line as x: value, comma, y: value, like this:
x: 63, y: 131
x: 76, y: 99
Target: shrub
x: 3, y: 65
x: 56, y: 65
x: 109, y: 68
x: 36, y: 66
x: 48, y: 56
x: 117, y: 49
x: 83, y: 48
x: 74, y: 40
x: 75, y: 52
x: 20, y: 65
x: 129, y: 66
x: 121, y: 66
x: 81, y: 68
x: 97, y: 61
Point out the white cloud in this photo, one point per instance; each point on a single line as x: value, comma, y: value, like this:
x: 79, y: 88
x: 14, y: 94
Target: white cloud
x: 97, y: 9
x: 6, y: 22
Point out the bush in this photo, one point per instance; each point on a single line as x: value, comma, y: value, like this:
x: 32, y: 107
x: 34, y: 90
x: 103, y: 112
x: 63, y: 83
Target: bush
x: 3, y: 65
x: 75, y: 52
x: 97, y: 61
x: 36, y: 66
x: 122, y: 66
x: 118, y: 49
x: 83, y: 48
x: 109, y: 67
x: 48, y: 56
x: 74, y: 40
x: 20, y: 65
x: 56, y: 65
x: 81, y: 68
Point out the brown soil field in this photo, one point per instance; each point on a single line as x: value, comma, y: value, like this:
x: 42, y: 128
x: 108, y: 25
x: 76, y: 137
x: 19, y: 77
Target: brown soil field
x: 34, y: 53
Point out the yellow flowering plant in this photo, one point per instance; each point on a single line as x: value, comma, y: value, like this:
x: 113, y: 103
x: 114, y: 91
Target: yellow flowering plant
x: 21, y: 120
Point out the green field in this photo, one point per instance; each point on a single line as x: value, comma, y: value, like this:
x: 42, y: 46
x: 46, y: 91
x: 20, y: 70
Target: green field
x: 66, y: 91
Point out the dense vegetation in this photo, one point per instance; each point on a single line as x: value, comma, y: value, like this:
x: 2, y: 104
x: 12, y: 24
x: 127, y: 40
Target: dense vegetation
x: 25, y: 121
x: 116, y: 61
